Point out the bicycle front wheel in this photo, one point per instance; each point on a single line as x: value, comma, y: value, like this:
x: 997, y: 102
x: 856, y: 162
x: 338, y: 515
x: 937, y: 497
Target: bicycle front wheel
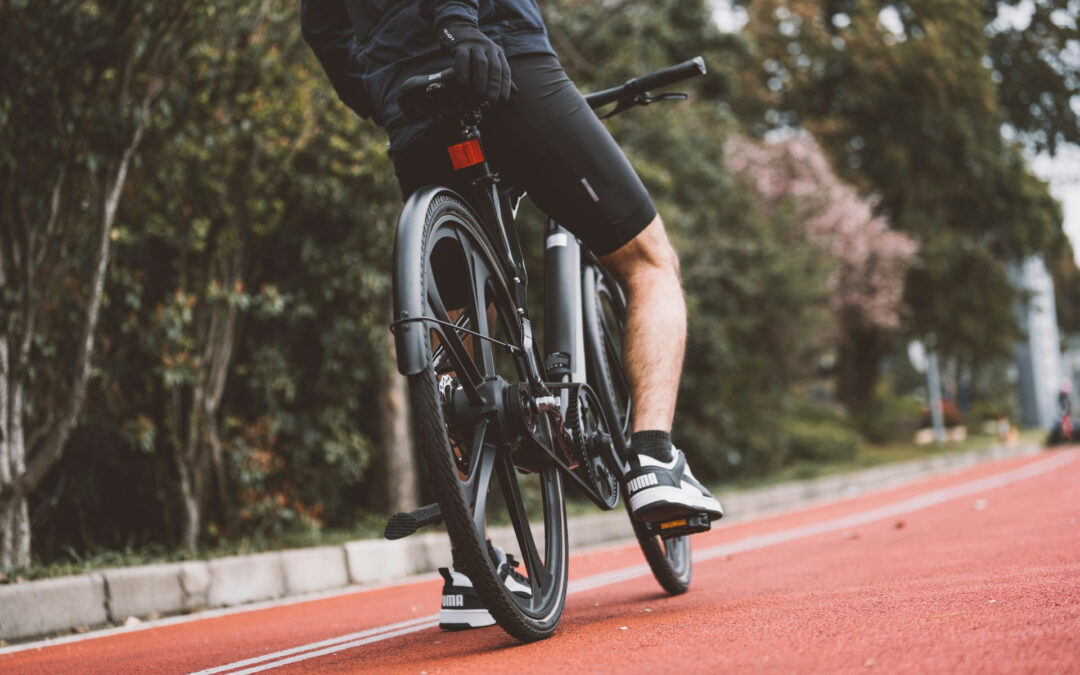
x: 465, y: 406
x: 604, y: 308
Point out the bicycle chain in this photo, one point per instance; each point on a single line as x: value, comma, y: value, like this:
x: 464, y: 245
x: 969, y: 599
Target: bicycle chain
x: 582, y: 399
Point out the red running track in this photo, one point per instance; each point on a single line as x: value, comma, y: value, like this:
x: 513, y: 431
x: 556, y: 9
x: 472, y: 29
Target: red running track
x: 972, y: 573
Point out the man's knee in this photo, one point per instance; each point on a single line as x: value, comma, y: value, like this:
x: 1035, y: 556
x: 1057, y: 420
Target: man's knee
x: 648, y: 254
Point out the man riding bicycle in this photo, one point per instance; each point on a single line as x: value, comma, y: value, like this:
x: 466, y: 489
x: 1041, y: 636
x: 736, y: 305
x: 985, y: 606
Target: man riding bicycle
x: 546, y: 139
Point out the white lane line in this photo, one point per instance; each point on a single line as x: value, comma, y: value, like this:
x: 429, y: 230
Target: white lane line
x: 422, y: 622
x: 337, y: 648
x: 906, y: 506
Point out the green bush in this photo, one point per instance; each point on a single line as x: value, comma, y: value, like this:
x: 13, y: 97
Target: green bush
x: 820, y: 440
x: 890, y: 418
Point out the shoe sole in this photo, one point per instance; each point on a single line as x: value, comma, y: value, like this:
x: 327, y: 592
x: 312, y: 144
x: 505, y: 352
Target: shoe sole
x: 663, y: 502
x: 464, y: 619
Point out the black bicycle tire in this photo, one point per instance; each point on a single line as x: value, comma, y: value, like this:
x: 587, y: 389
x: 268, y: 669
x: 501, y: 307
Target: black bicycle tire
x: 430, y: 434
x: 673, y: 572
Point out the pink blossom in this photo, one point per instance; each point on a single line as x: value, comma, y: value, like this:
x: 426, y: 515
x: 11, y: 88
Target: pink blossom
x: 871, y: 260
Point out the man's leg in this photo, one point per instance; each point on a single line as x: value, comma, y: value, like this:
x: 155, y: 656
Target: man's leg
x: 659, y: 482
x: 548, y: 141
x: 654, y: 341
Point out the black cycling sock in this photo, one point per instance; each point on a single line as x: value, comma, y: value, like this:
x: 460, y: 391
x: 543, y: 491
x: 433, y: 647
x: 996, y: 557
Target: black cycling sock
x: 459, y: 562
x: 655, y: 444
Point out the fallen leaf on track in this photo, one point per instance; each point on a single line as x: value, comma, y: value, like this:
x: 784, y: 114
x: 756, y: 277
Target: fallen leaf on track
x: 942, y: 616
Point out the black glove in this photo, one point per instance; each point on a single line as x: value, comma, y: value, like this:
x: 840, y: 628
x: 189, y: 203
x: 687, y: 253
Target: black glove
x: 479, y: 64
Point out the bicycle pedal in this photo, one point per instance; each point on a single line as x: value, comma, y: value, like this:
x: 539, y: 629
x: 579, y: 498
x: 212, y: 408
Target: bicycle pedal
x: 680, y: 527
x: 403, y: 524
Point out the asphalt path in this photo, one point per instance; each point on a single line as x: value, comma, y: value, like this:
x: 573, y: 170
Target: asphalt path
x: 973, y: 572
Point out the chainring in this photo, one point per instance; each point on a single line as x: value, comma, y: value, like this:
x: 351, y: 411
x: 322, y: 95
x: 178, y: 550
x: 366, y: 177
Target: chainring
x: 592, y: 442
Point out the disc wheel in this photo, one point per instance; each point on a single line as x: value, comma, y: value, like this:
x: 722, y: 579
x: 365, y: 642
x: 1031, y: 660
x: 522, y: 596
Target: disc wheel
x: 462, y: 395
x: 604, y: 307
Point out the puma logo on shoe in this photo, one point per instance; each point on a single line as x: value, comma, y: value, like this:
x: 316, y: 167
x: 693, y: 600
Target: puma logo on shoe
x: 641, y: 482
x: 453, y: 600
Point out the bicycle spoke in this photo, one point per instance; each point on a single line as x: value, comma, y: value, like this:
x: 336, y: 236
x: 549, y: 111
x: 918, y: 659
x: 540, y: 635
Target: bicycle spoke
x: 439, y: 355
x: 478, y: 481
x: 539, y: 576
x: 468, y: 375
x: 478, y: 314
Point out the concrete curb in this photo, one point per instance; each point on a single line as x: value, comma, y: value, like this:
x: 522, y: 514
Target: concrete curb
x: 97, y: 599
x: 52, y: 605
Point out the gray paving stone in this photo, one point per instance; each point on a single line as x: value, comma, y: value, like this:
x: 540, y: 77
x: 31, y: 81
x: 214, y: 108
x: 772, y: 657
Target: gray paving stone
x: 250, y: 578
x: 51, y: 606
x: 315, y: 569
x: 378, y: 561
x: 195, y: 582
x: 143, y: 591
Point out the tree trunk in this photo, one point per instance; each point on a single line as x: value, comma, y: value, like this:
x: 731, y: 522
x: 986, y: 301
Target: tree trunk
x: 400, y: 479
x: 861, y: 352
x: 14, y: 514
x: 192, y: 515
x: 6, y: 531
x: 200, y: 453
x: 7, y: 527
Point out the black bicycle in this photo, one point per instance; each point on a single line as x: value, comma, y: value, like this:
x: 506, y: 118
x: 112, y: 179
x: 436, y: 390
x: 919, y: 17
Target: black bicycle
x: 501, y: 422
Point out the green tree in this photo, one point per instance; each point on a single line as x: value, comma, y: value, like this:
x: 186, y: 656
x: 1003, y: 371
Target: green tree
x: 80, y: 84
x: 1038, y: 81
x: 248, y: 297
x: 904, y: 98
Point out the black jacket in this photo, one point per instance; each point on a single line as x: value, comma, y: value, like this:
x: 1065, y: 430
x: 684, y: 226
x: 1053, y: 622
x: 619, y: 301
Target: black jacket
x: 369, y: 47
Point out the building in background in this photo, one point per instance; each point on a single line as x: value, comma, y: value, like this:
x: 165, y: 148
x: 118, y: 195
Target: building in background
x: 1038, y: 356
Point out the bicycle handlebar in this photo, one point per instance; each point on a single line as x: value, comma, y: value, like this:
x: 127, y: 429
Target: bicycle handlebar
x: 423, y: 96
x: 640, y: 85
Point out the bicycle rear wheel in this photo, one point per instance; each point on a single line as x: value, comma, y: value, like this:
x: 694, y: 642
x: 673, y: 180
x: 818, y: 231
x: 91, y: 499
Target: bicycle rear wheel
x: 604, y: 307
x: 466, y: 405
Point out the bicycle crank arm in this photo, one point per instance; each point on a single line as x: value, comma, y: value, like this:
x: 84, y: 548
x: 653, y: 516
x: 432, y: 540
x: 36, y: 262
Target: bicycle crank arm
x: 537, y: 444
x: 402, y: 525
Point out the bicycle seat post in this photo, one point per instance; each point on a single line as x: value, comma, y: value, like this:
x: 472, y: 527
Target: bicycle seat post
x: 470, y: 134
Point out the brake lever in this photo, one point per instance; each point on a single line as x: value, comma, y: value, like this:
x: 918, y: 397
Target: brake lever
x: 643, y: 99
x: 647, y: 98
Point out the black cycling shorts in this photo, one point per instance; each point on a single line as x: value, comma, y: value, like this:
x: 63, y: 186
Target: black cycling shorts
x: 547, y: 141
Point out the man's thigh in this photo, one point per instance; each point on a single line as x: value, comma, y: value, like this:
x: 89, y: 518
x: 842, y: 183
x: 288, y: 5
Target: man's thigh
x: 548, y: 141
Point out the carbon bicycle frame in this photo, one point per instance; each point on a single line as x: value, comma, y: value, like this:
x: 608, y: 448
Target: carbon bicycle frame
x: 563, y: 344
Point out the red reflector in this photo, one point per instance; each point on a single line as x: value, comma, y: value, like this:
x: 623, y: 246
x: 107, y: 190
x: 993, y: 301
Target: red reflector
x: 465, y: 154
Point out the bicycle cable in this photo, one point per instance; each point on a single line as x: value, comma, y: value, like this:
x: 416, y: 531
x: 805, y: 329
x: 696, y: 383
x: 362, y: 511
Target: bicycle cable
x: 448, y: 324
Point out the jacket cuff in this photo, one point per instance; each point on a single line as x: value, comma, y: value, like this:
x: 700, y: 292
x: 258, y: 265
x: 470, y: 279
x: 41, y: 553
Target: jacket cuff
x: 447, y: 12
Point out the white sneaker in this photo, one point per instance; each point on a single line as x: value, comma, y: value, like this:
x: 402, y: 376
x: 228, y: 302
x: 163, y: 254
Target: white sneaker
x: 661, y: 490
x: 462, y: 608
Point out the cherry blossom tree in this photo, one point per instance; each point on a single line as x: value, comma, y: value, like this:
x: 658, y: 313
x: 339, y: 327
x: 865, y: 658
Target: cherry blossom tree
x: 866, y: 260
